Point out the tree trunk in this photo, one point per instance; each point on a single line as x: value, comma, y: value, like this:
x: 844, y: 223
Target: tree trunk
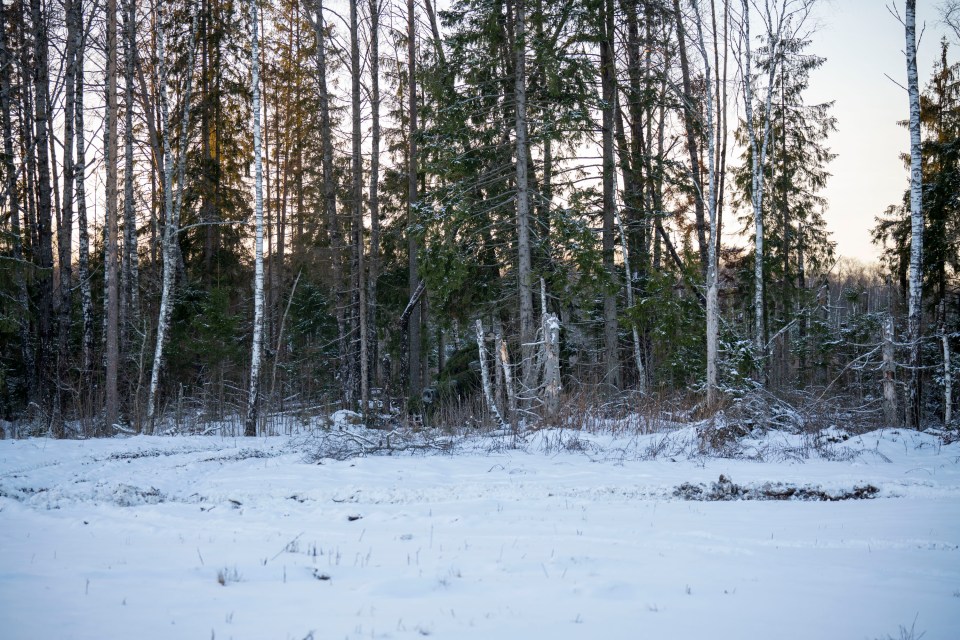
x: 689, y: 120
x: 485, y: 377
x: 758, y: 153
x: 608, y: 81
x: 171, y: 209
x: 357, y: 171
x: 83, y: 236
x: 713, y: 311
x: 65, y: 226
x: 889, y: 369
x: 414, y: 364
x: 947, y: 369
x: 253, y: 398
x: 524, y: 270
x: 550, y: 325
x: 41, y: 81
x: 131, y: 271
x: 12, y: 196
x: 915, y: 306
x: 112, y: 302
x: 374, y: 268
x: 330, y: 195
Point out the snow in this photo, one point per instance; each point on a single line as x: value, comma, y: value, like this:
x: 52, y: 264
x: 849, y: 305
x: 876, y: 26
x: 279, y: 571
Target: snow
x: 563, y: 534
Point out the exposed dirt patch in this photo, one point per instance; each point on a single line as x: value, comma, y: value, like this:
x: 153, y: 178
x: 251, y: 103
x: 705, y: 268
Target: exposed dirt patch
x: 726, y: 489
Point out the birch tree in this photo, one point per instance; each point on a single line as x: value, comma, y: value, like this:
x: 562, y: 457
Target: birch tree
x: 915, y: 299
x: 713, y: 311
x: 171, y: 223
x: 253, y: 397
x: 782, y: 20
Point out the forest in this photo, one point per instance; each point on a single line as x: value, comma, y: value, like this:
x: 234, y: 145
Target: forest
x: 228, y: 214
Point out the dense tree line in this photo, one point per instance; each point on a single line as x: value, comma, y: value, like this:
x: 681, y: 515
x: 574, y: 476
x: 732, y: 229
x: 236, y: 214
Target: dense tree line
x: 244, y: 208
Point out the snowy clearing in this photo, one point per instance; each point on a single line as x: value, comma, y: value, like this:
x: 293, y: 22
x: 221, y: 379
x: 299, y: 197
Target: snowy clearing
x: 570, y: 535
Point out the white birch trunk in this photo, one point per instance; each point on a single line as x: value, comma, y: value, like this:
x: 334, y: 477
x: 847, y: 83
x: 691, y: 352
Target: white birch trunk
x: 171, y: 213
x: 503, y: 357
x: 947, y: 368
x: 758, y: 153
x: 551, y: 365
x: 253, y: 397
x: 915, y: 308
x: 637, y: 352
x: 712, y: 310
x: 947, y: 381
x: 485, y: 377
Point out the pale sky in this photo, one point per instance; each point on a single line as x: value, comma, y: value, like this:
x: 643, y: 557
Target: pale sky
x: 861, y: 42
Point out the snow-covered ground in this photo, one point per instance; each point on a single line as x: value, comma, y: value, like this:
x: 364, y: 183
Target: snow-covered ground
x: 568, y: 536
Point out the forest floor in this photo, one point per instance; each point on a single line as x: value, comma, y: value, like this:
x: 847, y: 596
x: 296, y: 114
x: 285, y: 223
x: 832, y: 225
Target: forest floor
x: 560, y: 534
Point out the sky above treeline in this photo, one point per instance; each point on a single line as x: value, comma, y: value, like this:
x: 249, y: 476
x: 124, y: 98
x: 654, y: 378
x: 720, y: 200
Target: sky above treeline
x: 863, y: 44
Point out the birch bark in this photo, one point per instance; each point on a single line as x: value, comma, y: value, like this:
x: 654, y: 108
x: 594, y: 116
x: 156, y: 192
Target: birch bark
x: 253, y: 397
x: 485, y: 377
x: 171, y: 210
x: 712, y: 310
x: 758, y: 152
x: 915, y: 300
